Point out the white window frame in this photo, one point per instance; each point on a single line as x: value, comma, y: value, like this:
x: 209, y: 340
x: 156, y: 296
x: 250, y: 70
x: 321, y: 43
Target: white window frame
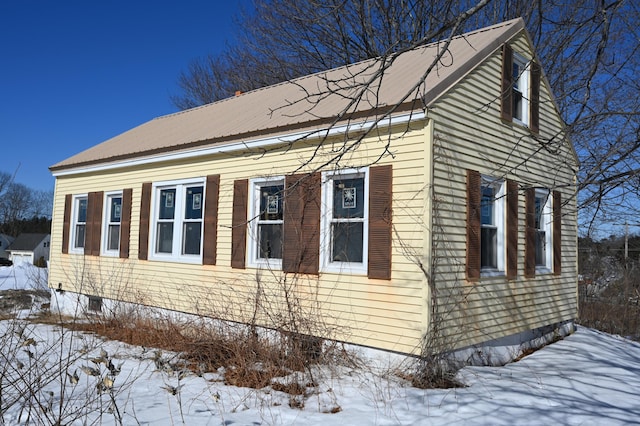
x: 74, y: 222
x: 500, y: 220
x: 522, y: 82
x: 255, y: 186
x: 106, y: 223
x: 546, y: 225
x: 326, y: 264
x: 180, y: 187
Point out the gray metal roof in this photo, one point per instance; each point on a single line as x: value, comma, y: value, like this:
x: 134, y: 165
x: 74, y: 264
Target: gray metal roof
x: 26, y: 242
x: 305, y: 102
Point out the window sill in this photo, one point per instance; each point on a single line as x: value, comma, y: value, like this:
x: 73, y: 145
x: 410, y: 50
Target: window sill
x: 543, y: 270
x: 271, y: 265
x: 345, y: 268
x: 487, y: 273
x: 193, y: 260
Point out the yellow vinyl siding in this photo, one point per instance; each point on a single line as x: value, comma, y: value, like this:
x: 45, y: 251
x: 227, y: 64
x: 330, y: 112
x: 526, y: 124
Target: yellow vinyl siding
x: 470, y: 135
x: 389, y: 314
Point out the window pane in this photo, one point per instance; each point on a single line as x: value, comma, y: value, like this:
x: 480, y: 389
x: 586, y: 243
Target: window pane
x: 115, y: 209
x: 271, y: 202
x: 193, y: 208
x: 517, y: 104
x: 165, y: 237
x: 191, y: 238
x: 487, y: 205
x: 489, y: 247
x: 113, y: 237
x: 270, y: 241
x: 82, y: 211
x: 79, y: 243
x: 348, y: 198
x: 541, y: 251
x: 167, y: 203
x: 346, y: 240
x: 540, y: 202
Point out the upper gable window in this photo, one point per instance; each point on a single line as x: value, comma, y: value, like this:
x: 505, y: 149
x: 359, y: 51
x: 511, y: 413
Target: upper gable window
x: 178, y: 221
x: 519, y: 87
x: 520, y: 90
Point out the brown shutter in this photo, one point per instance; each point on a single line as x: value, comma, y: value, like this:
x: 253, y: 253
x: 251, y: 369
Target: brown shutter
x: 93, y: 228
x: 88, y: 228
x: 211, y: 220
x: 530, y: 233
x: 512, y: 230
x: 125, y: 222
x: 301, y: 233
x: 474, y: 190
x: 380, y: 214
x: 557, y: 233
x: 506, y: 107
x: 66, y: 224
x: 534, y: 117
x: 239, y: 223
x: 145, y: 208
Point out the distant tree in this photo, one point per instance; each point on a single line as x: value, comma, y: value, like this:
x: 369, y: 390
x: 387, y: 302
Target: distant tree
x: 22, y: 207
x: 589, y: 51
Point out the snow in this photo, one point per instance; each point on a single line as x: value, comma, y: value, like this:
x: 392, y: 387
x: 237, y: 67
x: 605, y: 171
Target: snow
x: 589, y: 378
x: 24, y: 276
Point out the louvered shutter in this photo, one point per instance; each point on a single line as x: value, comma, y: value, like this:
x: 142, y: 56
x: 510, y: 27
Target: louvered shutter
x: 512, y: 230
x: 66, y: 223
x: 239, y: 223
x: 530, y: 233
x: 506, y: 105
x: 301, y: 233
x: 125, y: 223
x: 211, y: 220
x: 380, y: 215
x: 474, y: 189
x: 94, y: 224
x: 557, y: 233
x: 534, y: 114
x: 145, y: 210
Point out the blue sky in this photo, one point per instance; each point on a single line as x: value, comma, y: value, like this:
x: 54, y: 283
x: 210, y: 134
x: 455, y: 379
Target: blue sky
x: 75, y: 73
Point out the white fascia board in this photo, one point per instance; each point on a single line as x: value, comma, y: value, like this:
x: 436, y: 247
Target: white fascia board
x: 243, y: 145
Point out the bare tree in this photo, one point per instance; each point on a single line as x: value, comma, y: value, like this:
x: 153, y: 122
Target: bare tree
x: 588, y: 49
x: 19, y: 202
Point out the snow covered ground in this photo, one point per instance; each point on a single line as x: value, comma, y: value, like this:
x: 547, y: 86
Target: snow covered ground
x: 589, y: 378
x: 25, y: 276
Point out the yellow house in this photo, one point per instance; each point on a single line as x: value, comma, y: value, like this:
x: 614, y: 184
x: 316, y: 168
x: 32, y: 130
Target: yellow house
x: 438, y: 207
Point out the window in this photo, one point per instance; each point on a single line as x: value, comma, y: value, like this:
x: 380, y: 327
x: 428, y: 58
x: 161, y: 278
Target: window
x: 265, y: 244
x: 113, y: 217
x: 178, y: 221
x: 492, y: 222
x: 519, y: 88
x: 345, y: 221
x: 94, y: 304
x: 80, y: 204
x: 543, y: 229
